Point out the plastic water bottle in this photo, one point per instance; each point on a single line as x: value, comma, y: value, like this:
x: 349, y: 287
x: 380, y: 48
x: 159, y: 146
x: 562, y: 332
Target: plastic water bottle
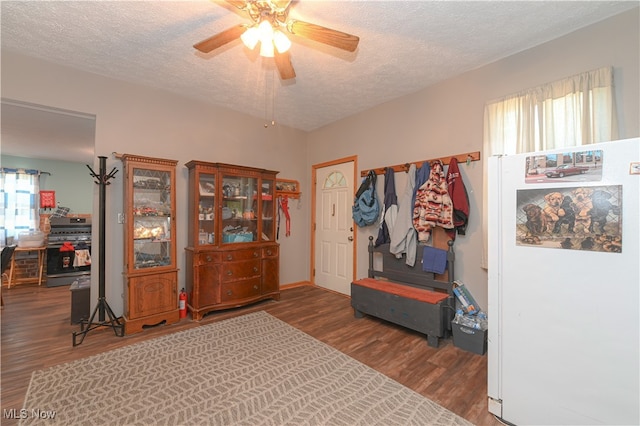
x: 458, y: 318
x: 466, y: 320
x: 472, y: 323
x: 483, y: 321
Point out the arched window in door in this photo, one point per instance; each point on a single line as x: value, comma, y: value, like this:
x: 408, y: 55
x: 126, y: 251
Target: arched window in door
x: 335, y: 179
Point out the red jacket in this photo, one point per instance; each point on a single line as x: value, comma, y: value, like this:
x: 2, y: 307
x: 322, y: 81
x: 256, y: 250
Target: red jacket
x: 460, y: 199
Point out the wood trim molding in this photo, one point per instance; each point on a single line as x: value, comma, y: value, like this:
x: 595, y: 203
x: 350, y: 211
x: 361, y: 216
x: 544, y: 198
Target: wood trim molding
x: 462, y: 158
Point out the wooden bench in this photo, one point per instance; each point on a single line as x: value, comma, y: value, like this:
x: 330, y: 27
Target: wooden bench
x: 405, y: 295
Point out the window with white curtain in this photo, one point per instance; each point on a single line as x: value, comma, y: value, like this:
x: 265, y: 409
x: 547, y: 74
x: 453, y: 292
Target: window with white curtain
x: 19, y: 212
x: 578, y: 110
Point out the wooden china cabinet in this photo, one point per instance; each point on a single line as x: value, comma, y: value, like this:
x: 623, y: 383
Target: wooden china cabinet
x: 150, y: 269
x: 232, y: 256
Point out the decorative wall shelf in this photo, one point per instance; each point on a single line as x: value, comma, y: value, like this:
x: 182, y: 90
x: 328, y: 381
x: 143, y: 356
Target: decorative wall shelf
x: 288, y: 187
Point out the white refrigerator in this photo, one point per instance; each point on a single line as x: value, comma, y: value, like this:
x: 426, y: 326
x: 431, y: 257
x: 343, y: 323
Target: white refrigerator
x: 564, y: 274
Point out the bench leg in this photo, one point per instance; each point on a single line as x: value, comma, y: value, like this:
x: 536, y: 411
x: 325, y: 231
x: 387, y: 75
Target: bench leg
x: 358, y: 314
x: 432, y: 341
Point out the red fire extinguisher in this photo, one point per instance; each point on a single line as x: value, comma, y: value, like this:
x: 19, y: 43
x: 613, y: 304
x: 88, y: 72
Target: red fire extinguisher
x: 183, y: 303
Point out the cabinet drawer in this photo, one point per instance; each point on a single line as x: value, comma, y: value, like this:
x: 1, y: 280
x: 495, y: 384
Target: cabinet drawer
x: 208, y: 257
x: 241, y: 290
x: 234, y: 255
x: 232, y: 271
x: 271, y: 251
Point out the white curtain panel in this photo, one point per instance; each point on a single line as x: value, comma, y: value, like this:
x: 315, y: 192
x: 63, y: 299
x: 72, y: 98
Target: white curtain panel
x: 578, y: 110
x: 19, y: 212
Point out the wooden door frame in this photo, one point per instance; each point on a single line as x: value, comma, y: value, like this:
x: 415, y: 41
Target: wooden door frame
x: 314, y: 184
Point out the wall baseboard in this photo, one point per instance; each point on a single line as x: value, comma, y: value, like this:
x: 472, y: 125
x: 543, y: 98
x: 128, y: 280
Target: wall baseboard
x: 293, y: 285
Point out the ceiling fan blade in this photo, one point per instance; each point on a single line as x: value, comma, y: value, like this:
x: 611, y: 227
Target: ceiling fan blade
x: 283, y: 62
x: 281, y: 4
x: 220, y: 39
x: 324, y: 35
x: 240, y: 4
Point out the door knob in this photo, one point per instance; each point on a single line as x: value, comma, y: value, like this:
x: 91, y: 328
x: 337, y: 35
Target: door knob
x: 350, y: 238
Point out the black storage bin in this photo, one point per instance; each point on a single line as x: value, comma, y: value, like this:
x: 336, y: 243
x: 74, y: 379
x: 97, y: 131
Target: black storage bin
x: 469, y: 339
x: 80, y: 300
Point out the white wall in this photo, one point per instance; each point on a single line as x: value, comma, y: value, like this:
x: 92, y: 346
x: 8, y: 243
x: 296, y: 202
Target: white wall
x: 447, y: 119
x: 139, y: 120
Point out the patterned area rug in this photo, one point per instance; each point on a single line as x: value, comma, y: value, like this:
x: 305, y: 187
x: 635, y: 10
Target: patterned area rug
x: 251, y: 370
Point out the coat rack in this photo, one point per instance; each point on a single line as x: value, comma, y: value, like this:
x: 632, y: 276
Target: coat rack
x: 462, y: 158
x: 115, y: 323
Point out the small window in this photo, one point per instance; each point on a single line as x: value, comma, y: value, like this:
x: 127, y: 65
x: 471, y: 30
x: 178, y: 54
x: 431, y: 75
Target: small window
x: 18, y: 203
x: 335, y: 180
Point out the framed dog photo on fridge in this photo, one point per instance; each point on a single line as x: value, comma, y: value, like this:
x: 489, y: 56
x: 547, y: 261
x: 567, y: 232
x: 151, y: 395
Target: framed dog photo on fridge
x: 571, y: 218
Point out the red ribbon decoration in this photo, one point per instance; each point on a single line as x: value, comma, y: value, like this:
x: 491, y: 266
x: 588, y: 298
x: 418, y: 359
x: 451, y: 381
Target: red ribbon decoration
x: 284, y: 205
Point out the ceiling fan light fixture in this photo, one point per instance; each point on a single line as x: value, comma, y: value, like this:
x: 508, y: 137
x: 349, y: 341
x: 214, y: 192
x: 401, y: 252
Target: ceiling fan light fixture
x: 266, y: 31
x: 266, y: 48
x: 251, y: 37
x: 281, y: 41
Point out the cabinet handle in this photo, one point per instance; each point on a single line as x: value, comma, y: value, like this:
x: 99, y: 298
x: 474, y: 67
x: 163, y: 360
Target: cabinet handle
x: 255, y: 287
x: 229, y: 292
x: 268, y: 252
x: 229, y: 273
x: 229, y: 257
x: 255, y: 269
x: 209, y: 259
x: 255, y: 254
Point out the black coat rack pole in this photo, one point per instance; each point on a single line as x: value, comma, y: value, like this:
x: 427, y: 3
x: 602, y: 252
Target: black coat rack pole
x: 102, y: 179
x: 102, y: 234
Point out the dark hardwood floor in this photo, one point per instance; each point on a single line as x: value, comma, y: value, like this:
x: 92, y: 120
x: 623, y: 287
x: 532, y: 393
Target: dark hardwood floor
x: 36, y: 333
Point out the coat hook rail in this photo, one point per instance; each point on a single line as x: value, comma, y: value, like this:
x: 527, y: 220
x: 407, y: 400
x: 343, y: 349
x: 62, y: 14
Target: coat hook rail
x: 462, y: 158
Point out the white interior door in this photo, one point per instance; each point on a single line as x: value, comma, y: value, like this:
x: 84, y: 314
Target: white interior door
x: 334, y: 227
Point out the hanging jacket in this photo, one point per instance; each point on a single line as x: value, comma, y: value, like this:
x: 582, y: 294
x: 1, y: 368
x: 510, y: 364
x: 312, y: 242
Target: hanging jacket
x: 422, y: 174
x: 433, y: 206
x: 390, y: 208
x: 459, y: 198
x: 404, y: 239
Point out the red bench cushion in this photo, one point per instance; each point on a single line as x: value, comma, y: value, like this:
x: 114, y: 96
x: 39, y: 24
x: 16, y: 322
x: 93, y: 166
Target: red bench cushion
x: 406, y: 291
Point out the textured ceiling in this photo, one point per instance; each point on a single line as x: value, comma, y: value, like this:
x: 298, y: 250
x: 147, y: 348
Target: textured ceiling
x: 404, y: 47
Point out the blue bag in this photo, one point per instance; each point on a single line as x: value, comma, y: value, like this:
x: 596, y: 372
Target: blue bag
x: 366, y: 207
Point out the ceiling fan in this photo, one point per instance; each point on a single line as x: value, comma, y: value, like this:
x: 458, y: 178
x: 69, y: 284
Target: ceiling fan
x: 269, y: 18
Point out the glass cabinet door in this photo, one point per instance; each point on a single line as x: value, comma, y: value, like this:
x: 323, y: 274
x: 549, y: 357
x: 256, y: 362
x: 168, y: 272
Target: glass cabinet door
x: 239, y: 221
x: 206, y: 209
x: 151, y: 218
x: 266, y: 212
